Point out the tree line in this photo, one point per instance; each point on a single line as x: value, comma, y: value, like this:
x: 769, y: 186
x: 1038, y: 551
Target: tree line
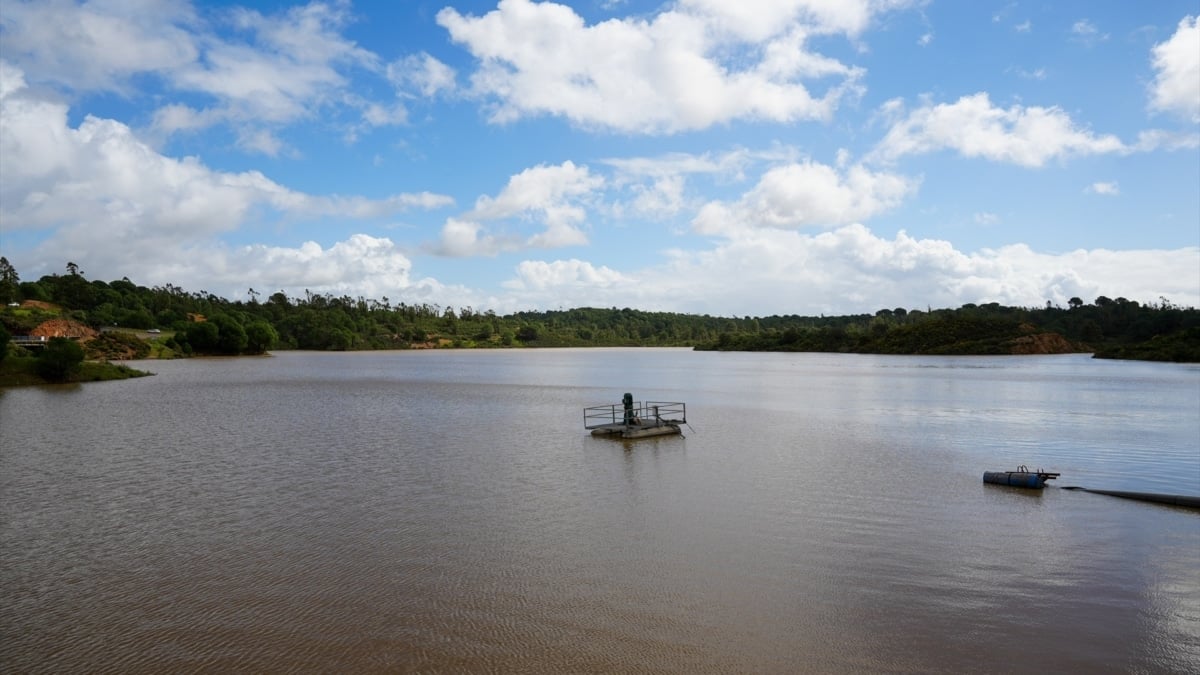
x: 1109, y: 328
x: 199, y: 322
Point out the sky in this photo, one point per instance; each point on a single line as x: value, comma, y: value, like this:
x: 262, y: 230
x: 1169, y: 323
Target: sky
x: 749, y: 158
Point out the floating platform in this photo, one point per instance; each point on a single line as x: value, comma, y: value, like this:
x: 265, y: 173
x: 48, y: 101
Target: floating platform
x: 635, y: 419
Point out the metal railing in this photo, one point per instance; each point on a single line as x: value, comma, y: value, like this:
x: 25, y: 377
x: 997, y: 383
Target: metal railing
x: 648, y: 412
x: 29, y: 340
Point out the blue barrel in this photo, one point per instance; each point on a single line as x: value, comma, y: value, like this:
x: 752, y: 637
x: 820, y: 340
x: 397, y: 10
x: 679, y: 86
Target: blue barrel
x: 1025, y: 479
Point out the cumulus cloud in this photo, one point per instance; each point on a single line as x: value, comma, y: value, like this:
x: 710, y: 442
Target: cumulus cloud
x: 535, y: 276
x: 553, y: 196
x: 361, y: 264
x: 105, y: 196
x: 358, y: 266
x: 806, y: 194
x: 1176, y: 86
x: 851, y: 270
x: 697, y: 64
x: 1027, y: 136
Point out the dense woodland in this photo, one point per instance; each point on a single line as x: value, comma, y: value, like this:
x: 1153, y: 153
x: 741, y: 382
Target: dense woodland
x: 198, y: 322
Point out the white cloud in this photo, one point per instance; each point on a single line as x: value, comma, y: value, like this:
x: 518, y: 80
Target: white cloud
x: 1157, y: 139
x: 806, y: 194
x: 542, y: 188
x: 986, y: 218
x: 851, y: 270
x: 537, y: 276
x: 378, y: 115
x: 659, y: 185
x: 463, y: 238
x: 98, y: 45
x: 175, y: 117
x: 730, y: 164
x: 1025, y: 135
x: 695, y: 65
x: 1103, y: 188
x: 1176, y: 86
x: 756, y: 21
x: 1035, y: 74
x: 1025, y: 26
x: 423, y: 73
x: 662, y: 198
x: 551, y: 195
x: 1086, y: 32
x: 361, y: 264
x: 261, y: 72
x: 107, y: 197
x: 287, y: 71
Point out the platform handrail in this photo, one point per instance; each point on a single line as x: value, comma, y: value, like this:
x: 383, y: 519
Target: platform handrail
x: 665, y: 412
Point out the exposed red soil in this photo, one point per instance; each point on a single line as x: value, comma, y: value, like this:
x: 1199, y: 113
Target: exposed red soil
x: 1043, y: 343
x: 64, y: 328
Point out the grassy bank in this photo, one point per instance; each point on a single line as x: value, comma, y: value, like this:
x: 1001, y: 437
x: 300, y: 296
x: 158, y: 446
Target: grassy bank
x: 17, y: 371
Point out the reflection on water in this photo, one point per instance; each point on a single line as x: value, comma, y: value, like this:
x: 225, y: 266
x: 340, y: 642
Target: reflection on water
x: 446, y: 511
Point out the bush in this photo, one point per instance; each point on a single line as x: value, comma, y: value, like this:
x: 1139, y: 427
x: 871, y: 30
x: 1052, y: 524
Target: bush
x: 61, y: 359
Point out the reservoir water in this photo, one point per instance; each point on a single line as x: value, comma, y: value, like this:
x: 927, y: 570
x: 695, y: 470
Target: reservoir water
x: 445, y: 511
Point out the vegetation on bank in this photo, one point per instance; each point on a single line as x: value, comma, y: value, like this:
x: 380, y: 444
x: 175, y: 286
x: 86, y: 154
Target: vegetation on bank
x: 1108, y: 328
x: 22, y: 371
x: 60, y: 361
x: 167, y: 322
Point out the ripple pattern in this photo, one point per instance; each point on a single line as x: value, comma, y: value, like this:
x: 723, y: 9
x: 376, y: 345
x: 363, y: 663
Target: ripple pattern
x: 445, y: 512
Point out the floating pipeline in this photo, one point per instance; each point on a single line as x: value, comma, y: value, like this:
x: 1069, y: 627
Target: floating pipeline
x: 1185, y: 501
x: 1036, y: 480
x: 1022, y: 477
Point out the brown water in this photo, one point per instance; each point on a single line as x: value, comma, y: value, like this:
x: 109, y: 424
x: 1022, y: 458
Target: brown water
x: 446, y: 511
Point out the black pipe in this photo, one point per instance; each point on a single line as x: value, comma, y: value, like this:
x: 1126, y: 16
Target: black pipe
x: 1173, y: 500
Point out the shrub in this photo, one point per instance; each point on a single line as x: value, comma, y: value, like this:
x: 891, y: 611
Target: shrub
x: 60, y: 360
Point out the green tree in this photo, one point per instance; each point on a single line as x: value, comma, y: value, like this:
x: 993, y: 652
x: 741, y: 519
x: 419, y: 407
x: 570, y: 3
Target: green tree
x: 135, y: 318
x: 34, y: 290
x: 202, y: 336
x: 5, y: 336
x: 71, y: 291
x: 260, y: 337
x: 340, y: 339
x: 10, y: 281
x: 60, y: 359
x: 231, y: 337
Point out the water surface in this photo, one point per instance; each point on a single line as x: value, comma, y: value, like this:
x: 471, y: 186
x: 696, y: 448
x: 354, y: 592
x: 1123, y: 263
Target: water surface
x: 446, y: 511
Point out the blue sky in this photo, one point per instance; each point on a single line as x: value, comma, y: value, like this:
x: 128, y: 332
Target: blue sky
x: 730, y: 158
